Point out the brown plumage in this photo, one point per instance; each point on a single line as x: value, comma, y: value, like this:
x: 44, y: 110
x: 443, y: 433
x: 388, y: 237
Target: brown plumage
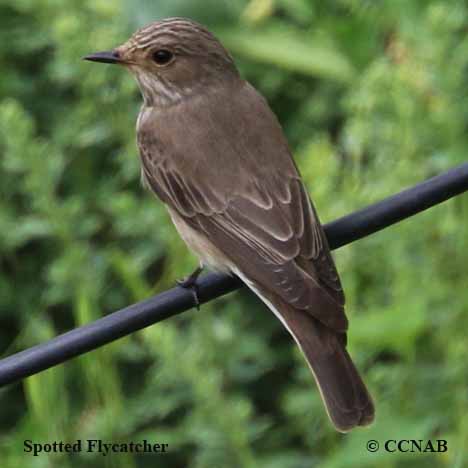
x: 215, y: 154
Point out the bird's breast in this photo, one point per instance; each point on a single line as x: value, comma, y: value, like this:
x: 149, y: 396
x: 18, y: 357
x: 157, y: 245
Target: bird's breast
x: 196, y: 241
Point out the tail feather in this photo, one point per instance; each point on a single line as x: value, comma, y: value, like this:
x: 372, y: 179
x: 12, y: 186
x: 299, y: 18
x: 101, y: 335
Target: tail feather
x: 347, y: 401
x: 345, y: 395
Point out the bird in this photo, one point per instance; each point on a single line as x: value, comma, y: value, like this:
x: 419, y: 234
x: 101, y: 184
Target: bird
x: 212, y: 150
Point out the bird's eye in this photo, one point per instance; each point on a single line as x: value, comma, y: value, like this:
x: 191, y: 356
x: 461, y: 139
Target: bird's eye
x: 162, y: 56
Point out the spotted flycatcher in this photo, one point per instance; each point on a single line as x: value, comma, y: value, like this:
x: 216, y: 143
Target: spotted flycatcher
x: 213, y: 151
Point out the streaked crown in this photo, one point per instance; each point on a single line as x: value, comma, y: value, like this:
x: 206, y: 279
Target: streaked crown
x: 175, y: 57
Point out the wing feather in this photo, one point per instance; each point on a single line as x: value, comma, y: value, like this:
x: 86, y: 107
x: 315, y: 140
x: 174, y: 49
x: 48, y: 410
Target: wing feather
x: 255, y: 211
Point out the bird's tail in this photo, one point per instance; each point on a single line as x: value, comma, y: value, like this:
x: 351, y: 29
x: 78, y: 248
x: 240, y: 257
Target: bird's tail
x: 346, y: 398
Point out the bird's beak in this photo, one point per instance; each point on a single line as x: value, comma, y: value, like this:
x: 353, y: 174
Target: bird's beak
x: 110, y: 56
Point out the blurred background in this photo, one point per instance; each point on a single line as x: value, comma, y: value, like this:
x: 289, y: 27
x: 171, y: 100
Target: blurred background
x: 373, y: 98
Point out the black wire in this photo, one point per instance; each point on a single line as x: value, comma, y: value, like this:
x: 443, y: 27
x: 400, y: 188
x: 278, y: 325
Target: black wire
x: 137, y: 316
x: 397, y: 207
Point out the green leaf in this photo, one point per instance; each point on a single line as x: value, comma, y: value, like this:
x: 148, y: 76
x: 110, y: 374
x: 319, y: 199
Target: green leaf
x: 286, y: 48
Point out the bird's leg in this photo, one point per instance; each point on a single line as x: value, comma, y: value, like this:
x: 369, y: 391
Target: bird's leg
x: 190, y: 282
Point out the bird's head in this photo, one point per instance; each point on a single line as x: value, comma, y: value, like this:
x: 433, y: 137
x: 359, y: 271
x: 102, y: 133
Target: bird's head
x: 172, y: 59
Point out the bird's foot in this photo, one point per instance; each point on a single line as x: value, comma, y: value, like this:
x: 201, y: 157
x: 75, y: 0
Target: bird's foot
x: 190, y: 282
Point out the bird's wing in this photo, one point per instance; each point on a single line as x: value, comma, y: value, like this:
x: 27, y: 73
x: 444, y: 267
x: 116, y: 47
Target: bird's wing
x: 252, y: 207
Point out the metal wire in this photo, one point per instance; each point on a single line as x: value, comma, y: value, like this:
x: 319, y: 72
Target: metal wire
x: 174, y: 301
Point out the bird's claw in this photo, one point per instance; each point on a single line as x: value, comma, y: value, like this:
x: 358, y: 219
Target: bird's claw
x: 190, y: 282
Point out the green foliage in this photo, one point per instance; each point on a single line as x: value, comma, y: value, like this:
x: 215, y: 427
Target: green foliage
x: 373, y: 98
